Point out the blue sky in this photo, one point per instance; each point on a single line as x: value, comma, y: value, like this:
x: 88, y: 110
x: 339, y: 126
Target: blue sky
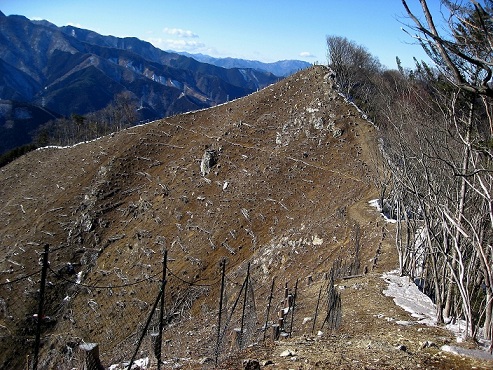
x: 267, y: 30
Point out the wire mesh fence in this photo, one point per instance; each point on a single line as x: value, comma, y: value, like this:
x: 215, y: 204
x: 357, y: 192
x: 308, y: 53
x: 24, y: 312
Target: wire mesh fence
x: 65, y: 320
x: 18, y: 318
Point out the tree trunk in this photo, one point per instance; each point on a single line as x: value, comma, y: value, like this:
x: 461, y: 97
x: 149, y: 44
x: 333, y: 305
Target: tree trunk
x: 462, y: 197
x: 488, y: 325
x: 398, y: 240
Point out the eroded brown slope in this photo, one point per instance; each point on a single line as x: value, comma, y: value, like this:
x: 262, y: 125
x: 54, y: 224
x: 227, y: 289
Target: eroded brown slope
x: 288, y: 193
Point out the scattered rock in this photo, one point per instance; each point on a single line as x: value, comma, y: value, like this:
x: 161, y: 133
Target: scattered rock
x: 287, y: 353
x: 205, y: 360
x: 316, y: 240
x: 209, y: 160
x: 250, y: 364
x: 428, y: 344
x: 401, y: 347
x: 306, y: 319
x: 336, y: 132
x: 267, y: 363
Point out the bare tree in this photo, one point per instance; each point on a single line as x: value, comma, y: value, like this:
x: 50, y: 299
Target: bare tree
x: 118, y: 115
x: 464, y: 56
x: 355, y: 69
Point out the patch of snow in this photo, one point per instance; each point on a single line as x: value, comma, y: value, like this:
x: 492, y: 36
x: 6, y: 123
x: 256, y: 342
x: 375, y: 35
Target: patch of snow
x: 93, y: 140
x: 244, y: 74
x: 227, y: 102
x: 141, y: 364
x: 407, y: 295
x: 376, y: 203
x: 159, y: 79
x: 176, y: 83
x: 475, y: 353
x: 403, y: 322
x: 363, y: 114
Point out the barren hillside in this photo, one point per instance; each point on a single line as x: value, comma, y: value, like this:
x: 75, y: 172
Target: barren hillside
x: 280, y: 179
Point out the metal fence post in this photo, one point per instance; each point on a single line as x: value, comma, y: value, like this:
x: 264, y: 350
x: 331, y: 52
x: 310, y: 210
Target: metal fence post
x: 244, y: 306
x: 37, y: 341
x: 144, y: 331
x: 161, y: 313
x: 223, y: 273
x: 316, y: 309
x: 268, y: 307
x: 292, y: 309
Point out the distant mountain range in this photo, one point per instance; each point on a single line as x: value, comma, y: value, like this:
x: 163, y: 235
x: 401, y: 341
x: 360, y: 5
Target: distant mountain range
x: 282, y: 68
x: 53, y: 71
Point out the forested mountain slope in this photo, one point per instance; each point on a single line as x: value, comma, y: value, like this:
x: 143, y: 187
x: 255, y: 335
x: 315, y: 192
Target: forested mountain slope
x: 68, y: 70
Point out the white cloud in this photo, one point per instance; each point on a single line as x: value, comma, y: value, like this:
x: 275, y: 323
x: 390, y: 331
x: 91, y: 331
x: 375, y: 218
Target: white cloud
x: 307, y: 54
x: 190, y: 46
x: 178, y: 32
x: 185, y: 44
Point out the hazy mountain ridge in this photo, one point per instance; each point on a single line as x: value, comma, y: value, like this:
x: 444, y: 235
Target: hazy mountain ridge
x: 34, y: 48
x: 69, y: 70
x: 280, y: 68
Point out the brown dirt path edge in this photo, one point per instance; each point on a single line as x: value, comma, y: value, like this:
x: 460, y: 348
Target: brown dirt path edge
x: 370, y: 338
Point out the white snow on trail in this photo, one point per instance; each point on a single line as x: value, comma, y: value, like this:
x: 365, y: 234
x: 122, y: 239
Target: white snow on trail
x: 376, y: 203
x: 407, y: 295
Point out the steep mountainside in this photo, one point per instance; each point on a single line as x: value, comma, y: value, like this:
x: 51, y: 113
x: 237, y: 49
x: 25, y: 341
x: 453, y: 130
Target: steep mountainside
x: 69, y: 70
x: 50, y: 65
x: 276, y: 184
x: 19, y: 121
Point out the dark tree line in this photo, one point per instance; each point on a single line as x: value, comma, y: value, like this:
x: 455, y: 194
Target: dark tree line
x: 118, y: 115
x: 436, y: 123
x: 15, y: 153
